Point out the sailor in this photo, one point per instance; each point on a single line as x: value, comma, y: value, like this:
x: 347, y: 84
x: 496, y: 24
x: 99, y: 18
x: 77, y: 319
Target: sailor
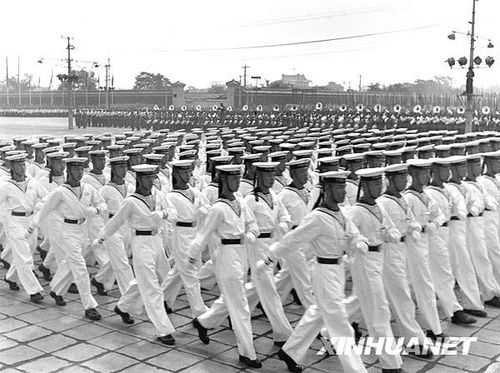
x: 428, y: 215
x: 461, y: 262
x: 353, y: 162
x: 439, y: 255
x: 145, y: 213
x: 479, y: 202
x: 38, y: 163
x: 236, y: 226
x: 281, y: 180
x: 191, y: 208
x: 328, y: 233
x: 367, y: 265
x: 247, y: 180
x: 20, y: 198
x: 74, y: 203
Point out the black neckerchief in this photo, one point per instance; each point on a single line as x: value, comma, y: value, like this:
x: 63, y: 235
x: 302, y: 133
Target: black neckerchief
x: 20, y: 187
x: 117, y: 187
x: 143, y: 200
x: 96, y: 176
x: 188, y: 193
x: 368, y: 208
x: 399, y: 200
x: 337, y: 215
x: 420, y: 195
x: 268, y: 198
x: 234, y: 205
x: 70, y: 188
x: 304, y: 198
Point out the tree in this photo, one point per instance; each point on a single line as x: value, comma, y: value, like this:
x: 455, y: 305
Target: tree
x: 375, y: 87
x: 216, y: 87
x: 279, y: 84
x: 84, y: 80
x: 26, y: 81
x: 145, y: 81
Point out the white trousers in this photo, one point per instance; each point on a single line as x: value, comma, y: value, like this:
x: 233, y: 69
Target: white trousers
x: 72, y: 267
x: 151, y: 266
x: 491, y: 235
x: 421, y: 279
x: 21, y: 267
x: 463, y: 270
x: 398, y: 291
x: 328, y: 283
x: 183, y: 274
x: 366, y: 274
x: 476, y: 244
x: 231, y: 266
x: 118, y: 263
x: 442, y: 274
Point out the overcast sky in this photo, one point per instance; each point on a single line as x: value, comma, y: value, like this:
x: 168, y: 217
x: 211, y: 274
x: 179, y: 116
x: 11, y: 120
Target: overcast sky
x: 200, y: 41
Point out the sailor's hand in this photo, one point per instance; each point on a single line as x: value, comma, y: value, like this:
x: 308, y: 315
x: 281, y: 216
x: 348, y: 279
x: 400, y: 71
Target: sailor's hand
x: 250, y: 237
x: 97, y: 242
x: 362, y: 247
x: 29, y: 232
x: 416, y: 235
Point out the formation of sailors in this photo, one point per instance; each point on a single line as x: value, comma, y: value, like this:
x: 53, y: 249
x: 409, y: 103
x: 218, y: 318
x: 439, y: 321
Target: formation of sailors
x: 262, y: 212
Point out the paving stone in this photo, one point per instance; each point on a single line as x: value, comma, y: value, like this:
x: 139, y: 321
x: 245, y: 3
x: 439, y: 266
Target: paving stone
x: 443, y: 369
x: 53, y: 343
x: 37, y: 316
x: 265, y: 346
x: 143, y: 329
x: 210, y: 350
x: 226, y: 336
x: 143, y: 368
x: 79, y: 352
x: 111, y: 362
x: 17, y: 354
x: 174, y: 360
x: 44, y: 365
x: 484, y: 349
x: 327, y: 364
x: 411, y: 365
x: 6, y: 325
x: 17, y: 308
x: 142, y: 350
x: 179, y: 320
x: 231, y: 357
x: 6, y: 343
x: 28, y: 333
x: 11, y: 370
x: 64, y: 322
x: 113, y: 341
x: 87, y: 331
x: 76, y: 369
x: 486, y: 335
x: 466, y: 362
x: 208, y: 366
x: 493, y: 325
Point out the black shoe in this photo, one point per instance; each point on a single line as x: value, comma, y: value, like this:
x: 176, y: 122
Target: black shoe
x: 279, y: 343
x: 36, y: 298
x: 12, y: 284
x: 167, y: 340
x: 427, y: 355
x: 493, y: 302
x: 99, y: 286
x: 295, y: 297
x: 460, y: 317
x: 394, y: 370
x: 202, y: 332
x: 45, y: 271
x: 477, y: 313
x: 290, y: 363
x: 92, y: 314
x: 250, y: 363
x: 59, y: 300
x: 434, y: 337
x: 73, y: 289
x: 357, y: 333
x: 230, y: 324
x: 167, y: 308
x: 124, y: 315
x: 42, y: 252
x: 5, y: 263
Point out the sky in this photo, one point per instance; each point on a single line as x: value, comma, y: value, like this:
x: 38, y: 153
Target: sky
x: 199, y: 42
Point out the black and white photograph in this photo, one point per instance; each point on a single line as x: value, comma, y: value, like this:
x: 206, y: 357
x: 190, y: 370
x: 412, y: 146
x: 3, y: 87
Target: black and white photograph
x: 267, y: 186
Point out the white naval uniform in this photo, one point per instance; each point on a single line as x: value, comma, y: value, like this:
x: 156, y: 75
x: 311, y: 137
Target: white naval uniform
x: 351, y: 188
x: 328, y: 234
x: 150, y: 262
x: 246, y: 187
x: 33, y: 169
x: 461, y: 262
x: 477, y: 204
x: 64, y: 201
x: 114, y: 247
x: 295, y: 271
x: 366, y: 270
x: 231, y: 266
x: 439, y: 254
x: 491, y: 186
x: 395, y: 274
x: 165, y: 179
x: 191, y: 208
x: 280, y: 182
x: 95, y: 224
x: 428, y: 215
x: 21, y: 197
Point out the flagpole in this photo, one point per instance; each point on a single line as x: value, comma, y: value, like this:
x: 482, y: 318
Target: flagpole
x: 7, y: 78
x: 19, y: 80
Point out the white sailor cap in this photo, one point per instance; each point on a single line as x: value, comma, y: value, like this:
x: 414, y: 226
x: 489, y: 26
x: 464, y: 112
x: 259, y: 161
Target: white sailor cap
x: 154, y: 156
x: 40, y: 145
x: 374, y: 154
x: 229, y: 169
x: 278, y: 155
x: 419, y: 163
x: 57, y: 155
x: 185, y: 164
x: 287, y: 145
x: 303, y: 153
x: 83, y: 149
x: 333, y: 176
x: 442, y: 148
x: 75, y: 161
x: 119, y: 160
x: 97, y: 153
x: 396, y: 168
x: 251, y: 157
x: 474, y: 158
x: 457, y: 159
x: 265, y: 166
x: 370, y: 173
x: 329, y: 160
x: 262, y: 148
x: 353, y: 157
x: 21, y: 157
x: 187, y: 154
x: 440, y: 161
x: 236, y: 150
x: 219, y: 159
x: 491, y: 155
x: 145, y: 169
x: 299, y: 163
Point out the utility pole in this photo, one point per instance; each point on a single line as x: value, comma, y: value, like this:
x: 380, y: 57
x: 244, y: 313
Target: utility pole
x: 360, y: 83
x: 7, y: 78
x: 19, y: 80
x: 107, y: 66
x: 469, y: 91
x: 245, y: 67
x: 69, y: 82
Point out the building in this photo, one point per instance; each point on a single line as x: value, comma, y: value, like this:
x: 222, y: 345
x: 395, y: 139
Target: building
x: 298, y: 81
